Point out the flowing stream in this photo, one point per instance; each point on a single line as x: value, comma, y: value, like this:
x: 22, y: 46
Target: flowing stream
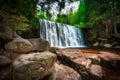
x: 61, y: 35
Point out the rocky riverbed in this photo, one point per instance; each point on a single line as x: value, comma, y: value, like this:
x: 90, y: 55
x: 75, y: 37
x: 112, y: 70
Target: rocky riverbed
x: 92, y: 64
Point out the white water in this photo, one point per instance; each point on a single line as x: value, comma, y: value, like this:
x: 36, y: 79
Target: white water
x: 61, y: 35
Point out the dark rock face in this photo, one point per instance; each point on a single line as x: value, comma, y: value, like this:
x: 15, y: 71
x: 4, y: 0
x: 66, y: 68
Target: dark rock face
x: 1, y: 18
x: 6, y: 33
x: 4, y: 73
x: 5, y: 67
x: 39, y: 44
x: 4, y: 61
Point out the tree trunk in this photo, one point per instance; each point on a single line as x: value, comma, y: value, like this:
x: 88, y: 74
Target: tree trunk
x: 115, y: 28
x: 107, y: 29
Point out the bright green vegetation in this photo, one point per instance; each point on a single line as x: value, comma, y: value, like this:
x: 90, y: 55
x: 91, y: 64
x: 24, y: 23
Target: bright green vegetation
x: 100, y: 17
x: 88, y: 13
x: 91, y: 12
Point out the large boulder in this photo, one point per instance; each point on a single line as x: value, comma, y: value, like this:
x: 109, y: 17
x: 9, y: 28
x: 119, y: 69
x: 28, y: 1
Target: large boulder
x: 33, y: 66
x: 63, y: 72
x: 19, y: 45
x: 84, y: 61
x: 110, y: 60
x: 6, y: 33
x: 108, y: 45
x: 39, y: 44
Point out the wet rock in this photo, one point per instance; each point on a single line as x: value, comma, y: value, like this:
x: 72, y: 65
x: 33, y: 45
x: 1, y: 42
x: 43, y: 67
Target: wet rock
x: 107, y: 45
x: 33, y: 66
x: 39, y: 44
x: 108, y: 56
x: 96, y: 44
x: 110, y: 60
x: 4, y: 61
x: 88, y: 66
x: 96, y: 71
x: 83, y: 62
x: 19, y: 45
x: 63, y: 72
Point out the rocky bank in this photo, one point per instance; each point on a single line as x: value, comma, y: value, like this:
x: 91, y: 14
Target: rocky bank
x: 34, y: 59
x: 29, y: 59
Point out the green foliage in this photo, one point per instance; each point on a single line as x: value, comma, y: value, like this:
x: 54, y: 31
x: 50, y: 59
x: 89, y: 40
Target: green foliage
x: 97, y: 11
x: 81, y: 12
x: 20, y: 15
x: 62, y: 18
x: 40, y: 15
x: 77, y: 18
x: 88, y: 14
x: 18, y: 8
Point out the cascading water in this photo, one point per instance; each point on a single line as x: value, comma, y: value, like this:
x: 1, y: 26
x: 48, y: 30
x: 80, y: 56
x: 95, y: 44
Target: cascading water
x: 61, y: 35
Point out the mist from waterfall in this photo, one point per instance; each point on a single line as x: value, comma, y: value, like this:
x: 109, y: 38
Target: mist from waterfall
x: 61, y: 35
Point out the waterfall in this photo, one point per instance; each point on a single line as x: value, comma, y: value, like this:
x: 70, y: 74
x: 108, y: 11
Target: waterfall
x: 61, y: 35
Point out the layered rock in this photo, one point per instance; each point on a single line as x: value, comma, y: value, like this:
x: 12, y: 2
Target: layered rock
x: 90, y: 62
x: 63, y: 72
x: 110, y: 60
x: 33, y: 66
